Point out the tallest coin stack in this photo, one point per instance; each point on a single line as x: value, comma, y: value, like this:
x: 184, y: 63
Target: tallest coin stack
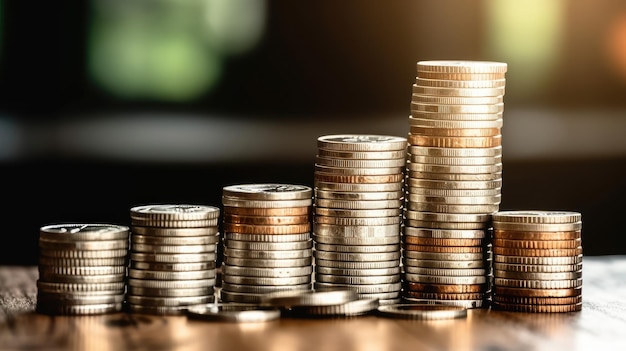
x: 454, y: 180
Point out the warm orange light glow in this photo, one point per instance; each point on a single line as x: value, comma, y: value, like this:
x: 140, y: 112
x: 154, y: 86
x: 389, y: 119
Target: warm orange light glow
x: 616, y: 45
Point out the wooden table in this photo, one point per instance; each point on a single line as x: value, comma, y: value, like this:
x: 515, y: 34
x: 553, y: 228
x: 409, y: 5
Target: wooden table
x: 600, y: 326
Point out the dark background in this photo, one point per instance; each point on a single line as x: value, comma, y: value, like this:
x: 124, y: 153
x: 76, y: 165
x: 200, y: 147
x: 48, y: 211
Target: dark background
x: 318, y: 67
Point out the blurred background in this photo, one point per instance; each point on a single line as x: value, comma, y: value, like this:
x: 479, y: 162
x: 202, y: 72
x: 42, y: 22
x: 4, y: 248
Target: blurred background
x: 109, y: 104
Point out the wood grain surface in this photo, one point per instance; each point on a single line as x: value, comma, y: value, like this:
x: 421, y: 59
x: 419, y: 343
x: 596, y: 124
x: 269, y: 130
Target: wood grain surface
x: 601, y: 325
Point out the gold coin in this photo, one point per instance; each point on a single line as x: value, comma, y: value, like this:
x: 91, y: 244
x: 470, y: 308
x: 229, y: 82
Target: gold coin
x: 455, y: 132
x: 454, y: 142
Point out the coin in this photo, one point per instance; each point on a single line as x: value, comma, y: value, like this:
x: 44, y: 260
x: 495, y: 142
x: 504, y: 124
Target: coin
x: 445, y: 288
x: 525, y: 235
x: 83, y: 232
x: 357, y: 307
x: 173, y: 212
x: 362, y: 155
x: 422, y: 311
x: 537, y: 244
x: 358, y: 163
x: 443, y: 233
x: 268, y: 191
x: 174, y: 232
x: 273, y: 254
x: 267, y: 229
x: 447, y: 83
x: 461, y: 66
x: 469, y: 264
x: 269, y: 281
x: 358, y: 195
x: 233, y: 312
x: 281, y: 211
x: 538, y: 308
x: 469, y: 92
x: 252, y: 246
x: 537, y: 292
x: 457, y: 100
x: 265, y: 220
x: 234, y: 201
x: 537, y: 216
x: 454, y: 121
x: 361, y: 142
x: 441, y: 242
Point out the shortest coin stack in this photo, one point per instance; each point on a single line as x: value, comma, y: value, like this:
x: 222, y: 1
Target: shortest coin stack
x: 82, y: 268
x: 173, y: 257
x: 537, y: 261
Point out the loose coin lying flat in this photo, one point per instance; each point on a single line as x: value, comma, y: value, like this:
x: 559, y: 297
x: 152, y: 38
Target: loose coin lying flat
x: 422, y: 311
x: 318, y: 297
x: 233, y: 312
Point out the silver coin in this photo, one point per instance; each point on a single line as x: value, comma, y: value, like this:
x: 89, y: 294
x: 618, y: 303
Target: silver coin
x: 357, y: 307
x: 239, y: 202
x: 44, y: 297
x: 173, y: 249
x: 381, y: 213
x: 172, y: 284
x: 269, y: 281
x: 451, y: 184
x: 82, y: 262
x: 236, y: 297
x: 422, y: 311
x: 172, y: 257
x: 277, y: 272
x: 357, y: 272
x: 358, y: 163
x: 455, y: 176
x: 171, y: 223
x: 267, y: 263
x: 84, y: 245
x: 538, y: 216
x: 174, y: 212
x: 442, y: 256
x: 171, y: 275
x: 158, y: 310
x: 361, y: 288
x: 356, y: 256
x: 361, y: 142
x: 80, y: 270
x: 468, y: 304
x: 434, y: 279
x: 445, y: 272
x: 358, y: 187
x: 359, y: 221
x: 355, y: 231
x: 454, y: 192
x: 538, y: 227
x: 357, y: 265
x: 538, y: 260
x: 538, y: 284
x: 318, y: 297
x: 257, y: 254
x: 174, y: 232
x: 268, y: 191
x: 454, y: 161
x: 433, y: 120
x: 447, y: 217
x: 263, y: 289
x: 357, y: 248
x: 358, y: 196
x: 358, y: 204
x: 420, y: 89
x: 233, y: 312
x: 268, y: 246
x: 81, y: 279
x: 447, y: 225
x: 267, y: 238
x: 87, y: 309
x: 172, y: 267
x: 176, y: 301
x: 357, y: 280
x: 447, y: 208
x: 83, y: 232
x: 444, y: 233
x: 326, y: 171
x: 180, y: 240
x: 80, y: 287
x: 454, y: 152
x: 362, y: 155
x: 369, y: 240
x: 469, y: 264
x: 170, y: 292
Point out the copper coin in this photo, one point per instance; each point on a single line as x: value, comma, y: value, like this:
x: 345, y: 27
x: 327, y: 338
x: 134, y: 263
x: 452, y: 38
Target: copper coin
x: 538, y: 308
x: 526, y: 235
x: 445, y: 288
x: 537, y: 244
x: 444, y: 296
x: 507, y: 251
x: 441, y: 242
x: 528, y: 292
x: 522, y: 300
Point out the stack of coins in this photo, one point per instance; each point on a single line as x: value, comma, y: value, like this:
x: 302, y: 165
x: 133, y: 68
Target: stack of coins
x: 537, y: 261
x: 358, y: 202
x: 82, y: 268
x: 267, y: 240
x: 173, y: 257
x: 454, y: 180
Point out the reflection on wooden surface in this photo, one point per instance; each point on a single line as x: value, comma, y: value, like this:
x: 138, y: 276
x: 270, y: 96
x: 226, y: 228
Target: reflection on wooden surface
x: 599, y: 325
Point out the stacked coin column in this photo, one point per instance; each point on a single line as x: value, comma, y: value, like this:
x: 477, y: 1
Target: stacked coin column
x: 454, y: 179
x: 173, y: 257
x: 267, y: 240
x: 82, y: 268
x: 358, y: 200
x: 537, y: 261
